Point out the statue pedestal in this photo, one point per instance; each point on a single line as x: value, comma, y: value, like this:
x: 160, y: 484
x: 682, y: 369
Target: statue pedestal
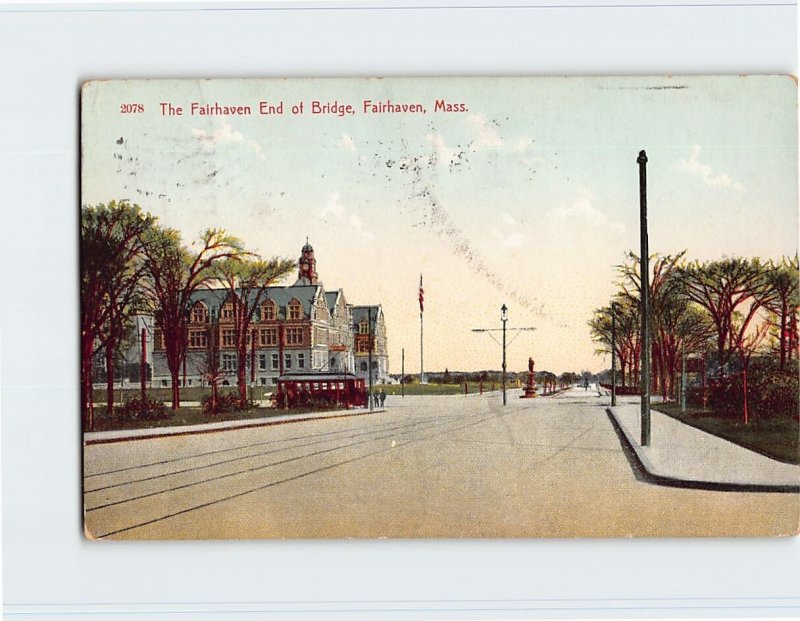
x: 530, y: 388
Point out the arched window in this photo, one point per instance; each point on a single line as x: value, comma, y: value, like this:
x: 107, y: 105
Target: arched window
x: 268, y: 311
x: 199, y: 313
x: 295, y: 310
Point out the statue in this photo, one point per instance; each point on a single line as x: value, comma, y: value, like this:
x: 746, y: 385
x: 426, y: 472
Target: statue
x: 530, y: 388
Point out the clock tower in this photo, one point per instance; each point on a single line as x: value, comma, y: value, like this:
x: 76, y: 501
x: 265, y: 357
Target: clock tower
x: 307, y: 266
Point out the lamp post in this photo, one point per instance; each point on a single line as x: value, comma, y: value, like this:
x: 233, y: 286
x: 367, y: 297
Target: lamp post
x: 504, y: 319
x: 644, y: 272
x: 369, y: 364
x: 613, y: 354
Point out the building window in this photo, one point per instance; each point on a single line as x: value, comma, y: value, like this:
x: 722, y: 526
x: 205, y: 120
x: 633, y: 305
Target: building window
x: 227, y: 311
x: 228, y: 362
x: 274, y: 362
x: 301, y: 361
x: 262, y: 362
x: 262, y: 381
x: 197, y: 338
x: 268, y: 337
x: 199, y: 313
x: 287, y: 361
x: 268, y: 311
x: 363, y: 327
x: 295, y: 310
x: 228, y: 338
x: 363, y: 366
x: 294, y: 336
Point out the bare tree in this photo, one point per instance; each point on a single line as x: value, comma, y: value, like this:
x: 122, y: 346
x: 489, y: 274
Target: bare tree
x: 174, y: 274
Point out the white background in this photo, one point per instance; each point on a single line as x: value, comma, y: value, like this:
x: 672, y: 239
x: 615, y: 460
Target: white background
x: 50, y: 571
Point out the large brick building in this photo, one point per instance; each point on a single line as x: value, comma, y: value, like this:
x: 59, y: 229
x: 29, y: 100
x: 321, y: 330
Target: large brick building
x: 301, y: 327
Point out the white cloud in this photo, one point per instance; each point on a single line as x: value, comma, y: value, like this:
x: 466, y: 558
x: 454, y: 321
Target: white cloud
x: 346, y: 142
x: 508, y: 219
x: 334, y: 211
x: 486, y: 135
x: 583, y: 214
x: 509, y: 236
x: 694, y: 167
x: 224, y: 133
x: 443, y: 152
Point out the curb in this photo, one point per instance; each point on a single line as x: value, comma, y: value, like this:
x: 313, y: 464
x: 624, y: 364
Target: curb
x: 646, y: 470
x: 194, y: 432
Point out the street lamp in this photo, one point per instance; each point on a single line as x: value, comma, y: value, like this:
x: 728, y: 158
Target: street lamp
x: 614, y: 307
x: 644, y: 272
x: 504, y: 319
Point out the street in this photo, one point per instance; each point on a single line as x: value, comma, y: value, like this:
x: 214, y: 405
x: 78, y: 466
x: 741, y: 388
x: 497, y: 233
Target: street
x: 429, y: 466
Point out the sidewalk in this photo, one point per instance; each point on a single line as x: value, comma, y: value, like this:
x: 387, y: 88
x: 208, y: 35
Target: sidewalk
x: 683, y: 456
x: 103, y: 437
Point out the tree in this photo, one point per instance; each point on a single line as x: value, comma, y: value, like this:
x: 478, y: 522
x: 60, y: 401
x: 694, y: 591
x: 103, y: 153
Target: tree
x: 247, y: 277
x: 783, y: 282
x: 725, y: 288
x: 174, y: 274
x: 111, y: 270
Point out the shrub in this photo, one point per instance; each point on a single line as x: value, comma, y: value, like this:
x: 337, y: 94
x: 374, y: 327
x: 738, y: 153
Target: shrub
x: 227, y: 402
x: 136, y: 409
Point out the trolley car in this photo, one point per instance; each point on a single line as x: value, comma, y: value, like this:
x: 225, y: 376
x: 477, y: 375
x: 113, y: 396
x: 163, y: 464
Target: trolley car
x: 321, y: 389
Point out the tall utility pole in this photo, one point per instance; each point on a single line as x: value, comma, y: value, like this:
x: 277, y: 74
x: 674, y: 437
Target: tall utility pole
x: 403, y: 372
x: 613, y: 354
x: 644, y: 270
x: 516, y: 331
x: 421, y: 304
x: 369, y: 364
x: 504, y: 319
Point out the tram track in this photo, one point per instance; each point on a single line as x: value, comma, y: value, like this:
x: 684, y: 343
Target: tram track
x: 437, y: 430
x: 242, y: 457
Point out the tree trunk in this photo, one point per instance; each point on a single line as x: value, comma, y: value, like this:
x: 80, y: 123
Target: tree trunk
x: 87, y: 402
x: 745, y: 364
x: 176, y: 387
x: 783, y: 334
x: 241, y: 370
x: 109, y: 378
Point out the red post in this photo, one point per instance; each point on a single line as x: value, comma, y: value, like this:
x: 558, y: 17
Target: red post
x: 280, y: 349
x: 143, y: 367
x: 252, y: 356
x: 480, y: 385
x: 465, y: 388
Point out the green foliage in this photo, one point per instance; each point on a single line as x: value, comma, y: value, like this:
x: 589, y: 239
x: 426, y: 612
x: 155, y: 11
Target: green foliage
x: 136, y: 409
x: 227, y: 402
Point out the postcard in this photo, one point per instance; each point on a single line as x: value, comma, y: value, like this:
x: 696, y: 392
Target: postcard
x: 439, y: 307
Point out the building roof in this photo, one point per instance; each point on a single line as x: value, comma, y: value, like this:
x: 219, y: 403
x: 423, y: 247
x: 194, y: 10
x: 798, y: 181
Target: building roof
x: 361, y: 312
x: 281, y: 296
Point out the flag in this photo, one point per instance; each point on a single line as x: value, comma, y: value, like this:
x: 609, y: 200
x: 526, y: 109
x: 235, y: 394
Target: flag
x: 421, y: 294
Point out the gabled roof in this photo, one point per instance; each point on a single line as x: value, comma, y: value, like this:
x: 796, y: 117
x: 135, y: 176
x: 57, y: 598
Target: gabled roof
x: 361, y: 312
x: 281, y: 296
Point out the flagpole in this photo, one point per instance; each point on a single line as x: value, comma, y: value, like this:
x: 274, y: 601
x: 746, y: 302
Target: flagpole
x: 421, y: 359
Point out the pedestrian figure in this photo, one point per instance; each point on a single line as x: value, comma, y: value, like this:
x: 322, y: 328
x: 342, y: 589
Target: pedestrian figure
x: 382, y: 397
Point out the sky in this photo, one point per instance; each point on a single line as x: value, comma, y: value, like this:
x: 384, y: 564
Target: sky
x: 526, y: 196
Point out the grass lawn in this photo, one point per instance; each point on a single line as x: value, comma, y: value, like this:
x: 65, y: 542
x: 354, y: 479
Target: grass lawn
x: 437, y: 389
x: 192, y: 416
x: 190, y: 393
x: 777, y: 437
